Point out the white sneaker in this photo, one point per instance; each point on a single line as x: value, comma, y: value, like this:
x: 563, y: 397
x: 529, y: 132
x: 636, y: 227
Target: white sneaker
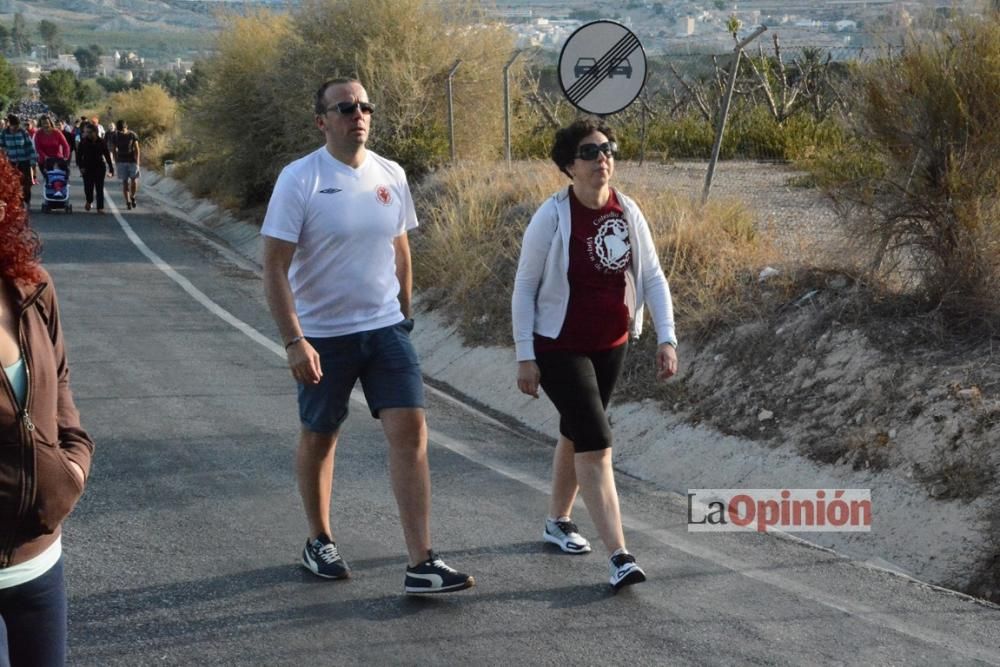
x: 624, y: 571
x: 566, y: 535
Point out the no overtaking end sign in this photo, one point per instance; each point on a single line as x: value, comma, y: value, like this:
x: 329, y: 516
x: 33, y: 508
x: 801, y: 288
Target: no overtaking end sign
x: 602, y: 68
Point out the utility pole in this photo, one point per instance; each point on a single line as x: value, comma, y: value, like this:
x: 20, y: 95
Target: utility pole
x: 724, y: 111
x: 506, y: 104
x: 451, y: 109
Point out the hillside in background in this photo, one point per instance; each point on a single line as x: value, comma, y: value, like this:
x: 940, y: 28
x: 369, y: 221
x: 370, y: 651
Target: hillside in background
x: 145, y: 16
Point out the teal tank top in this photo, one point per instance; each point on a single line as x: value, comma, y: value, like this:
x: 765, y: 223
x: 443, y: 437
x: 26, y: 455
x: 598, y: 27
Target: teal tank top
x: 18, y: 376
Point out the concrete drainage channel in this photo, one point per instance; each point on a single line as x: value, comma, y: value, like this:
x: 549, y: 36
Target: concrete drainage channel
x: 914, y: 536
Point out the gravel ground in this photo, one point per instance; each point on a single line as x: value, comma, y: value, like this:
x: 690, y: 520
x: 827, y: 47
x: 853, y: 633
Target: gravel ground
x: 792, y: 213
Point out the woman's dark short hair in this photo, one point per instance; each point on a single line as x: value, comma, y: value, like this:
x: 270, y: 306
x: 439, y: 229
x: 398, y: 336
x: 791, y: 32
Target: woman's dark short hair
x: 320, y: 101
x: 568, y: 138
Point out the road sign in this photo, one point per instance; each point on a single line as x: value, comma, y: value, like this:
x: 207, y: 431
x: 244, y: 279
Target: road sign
x: 602, y: 68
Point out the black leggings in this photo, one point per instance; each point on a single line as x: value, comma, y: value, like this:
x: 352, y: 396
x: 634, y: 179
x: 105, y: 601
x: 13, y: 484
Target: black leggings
x: 579, y: 384
x: 93, y: 185
x: 25, y: 169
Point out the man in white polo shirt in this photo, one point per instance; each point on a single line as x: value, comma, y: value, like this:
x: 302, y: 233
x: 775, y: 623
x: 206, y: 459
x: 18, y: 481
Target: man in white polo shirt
x: 338, y: 281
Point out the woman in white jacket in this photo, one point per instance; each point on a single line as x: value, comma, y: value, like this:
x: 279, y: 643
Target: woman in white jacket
x: 587, y: 266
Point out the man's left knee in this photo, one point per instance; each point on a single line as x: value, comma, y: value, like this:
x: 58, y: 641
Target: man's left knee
x: 404, y: 427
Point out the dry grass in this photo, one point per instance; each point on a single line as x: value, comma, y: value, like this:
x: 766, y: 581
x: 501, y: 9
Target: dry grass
x: 474, y: 215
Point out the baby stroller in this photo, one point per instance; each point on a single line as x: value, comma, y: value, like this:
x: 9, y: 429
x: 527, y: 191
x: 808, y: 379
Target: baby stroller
x: 56, y: 195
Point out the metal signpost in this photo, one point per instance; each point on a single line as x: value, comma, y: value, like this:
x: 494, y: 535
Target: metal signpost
x: 602, y: 68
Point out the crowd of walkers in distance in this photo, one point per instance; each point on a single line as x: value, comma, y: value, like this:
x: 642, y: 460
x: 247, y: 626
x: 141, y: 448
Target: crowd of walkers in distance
x: 42, y: 148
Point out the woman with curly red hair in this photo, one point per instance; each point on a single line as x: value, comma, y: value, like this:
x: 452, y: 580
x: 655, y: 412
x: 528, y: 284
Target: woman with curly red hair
x: 44, y: 453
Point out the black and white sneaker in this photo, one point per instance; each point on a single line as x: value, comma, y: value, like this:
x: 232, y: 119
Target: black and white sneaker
x: 566, y: 536
x: 322, y: 558
x: 434, y: 576
x: 624, y: 571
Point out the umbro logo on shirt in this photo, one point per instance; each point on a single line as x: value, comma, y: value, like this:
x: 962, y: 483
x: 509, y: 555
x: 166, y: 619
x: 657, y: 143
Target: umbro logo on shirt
x: 330, y: 191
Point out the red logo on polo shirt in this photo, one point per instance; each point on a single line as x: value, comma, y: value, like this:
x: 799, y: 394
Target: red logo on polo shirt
x: 383, y: 195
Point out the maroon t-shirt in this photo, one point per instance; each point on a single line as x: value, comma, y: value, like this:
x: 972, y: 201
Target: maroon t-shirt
x: 599, y: 255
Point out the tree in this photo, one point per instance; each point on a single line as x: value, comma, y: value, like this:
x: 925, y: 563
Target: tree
x: 90, y: 92
x: 169, y: 80
x: 112, y: 85
x: 4, y: 39
x: 88, y: 60
x: 193, y: 82
x: 8, y: 83
x: 61, y: 91
x: 20, y: 35
x: 49, y: 33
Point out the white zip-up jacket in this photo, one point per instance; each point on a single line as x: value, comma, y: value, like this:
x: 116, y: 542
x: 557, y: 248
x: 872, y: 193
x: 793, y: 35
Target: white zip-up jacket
x: 541, y: 287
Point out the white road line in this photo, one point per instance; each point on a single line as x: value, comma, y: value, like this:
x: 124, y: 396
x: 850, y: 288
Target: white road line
x: 673, y: 540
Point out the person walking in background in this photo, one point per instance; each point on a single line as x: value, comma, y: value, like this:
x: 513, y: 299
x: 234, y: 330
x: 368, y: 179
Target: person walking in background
x: 338, y: 282
x: 125, y: 146
x: 20, y: 150
x: 587, y: 266
x: 94, y: 160
x: 69, y: 134
x: 46, y: 454
x: 31, y: 128
x: 50, y: 143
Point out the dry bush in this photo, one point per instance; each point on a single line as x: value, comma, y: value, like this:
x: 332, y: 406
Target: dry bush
x: 149, y: 111
x: 255, y: 112
x: 234, y: 126
x: 473, y: 218
x: 402, y: 51
x: 929, y: 214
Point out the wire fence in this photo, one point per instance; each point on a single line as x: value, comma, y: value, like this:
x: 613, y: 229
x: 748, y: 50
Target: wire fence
x: 788, y: 101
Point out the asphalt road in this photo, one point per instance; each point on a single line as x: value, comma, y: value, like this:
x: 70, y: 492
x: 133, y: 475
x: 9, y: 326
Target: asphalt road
x: 184, y: 549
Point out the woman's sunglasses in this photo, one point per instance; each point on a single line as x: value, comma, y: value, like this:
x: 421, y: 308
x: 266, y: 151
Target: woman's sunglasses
x: 348, y: 108
x: 590, y: 152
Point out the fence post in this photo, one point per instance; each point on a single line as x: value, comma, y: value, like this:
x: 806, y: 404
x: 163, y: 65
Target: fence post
x: 724, y: 110
x: 642, y: 142
x: 506, y: 105
x: 451, y: 109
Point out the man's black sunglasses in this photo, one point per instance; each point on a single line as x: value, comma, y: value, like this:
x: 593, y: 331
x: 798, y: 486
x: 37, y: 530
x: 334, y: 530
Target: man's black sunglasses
x: 350, y: 107
x: 591, y: 151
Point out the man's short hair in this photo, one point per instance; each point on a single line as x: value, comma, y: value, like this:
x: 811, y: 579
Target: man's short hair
x: 12, y: 119
x: 568, y: 138
x: 320, y: 102
x: 120, y: 125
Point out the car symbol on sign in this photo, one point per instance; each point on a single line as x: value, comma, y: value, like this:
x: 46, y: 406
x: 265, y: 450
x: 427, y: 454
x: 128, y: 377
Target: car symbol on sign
x: 623, y: 66
x: 585, y: 65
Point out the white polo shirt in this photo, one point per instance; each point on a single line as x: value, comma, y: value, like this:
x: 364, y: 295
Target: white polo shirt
x: 343, y: 221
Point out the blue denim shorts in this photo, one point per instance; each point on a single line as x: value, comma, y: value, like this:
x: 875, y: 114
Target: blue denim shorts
x: 385, y: 362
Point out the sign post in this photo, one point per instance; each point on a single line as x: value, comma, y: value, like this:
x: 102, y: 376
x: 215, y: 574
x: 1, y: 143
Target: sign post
x: 602, y: 68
